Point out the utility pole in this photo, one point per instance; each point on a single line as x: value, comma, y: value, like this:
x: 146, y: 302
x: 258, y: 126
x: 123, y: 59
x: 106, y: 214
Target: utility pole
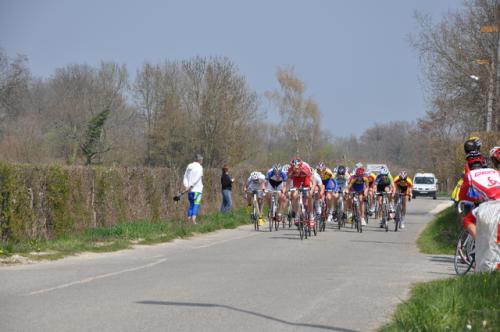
x: 494, y: 79
x: 489, y: 115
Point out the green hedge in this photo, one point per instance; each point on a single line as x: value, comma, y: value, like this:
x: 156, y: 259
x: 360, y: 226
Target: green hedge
x: 44, y: 201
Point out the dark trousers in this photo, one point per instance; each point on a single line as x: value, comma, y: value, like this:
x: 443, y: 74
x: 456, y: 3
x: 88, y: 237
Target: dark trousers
x: 226, y: 201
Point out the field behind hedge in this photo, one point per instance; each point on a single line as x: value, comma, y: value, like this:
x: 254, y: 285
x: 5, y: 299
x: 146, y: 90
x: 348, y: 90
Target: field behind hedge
x: 45, y: 201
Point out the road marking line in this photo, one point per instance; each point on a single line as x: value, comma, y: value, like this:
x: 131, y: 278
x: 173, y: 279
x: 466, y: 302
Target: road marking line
x: 102, y: 276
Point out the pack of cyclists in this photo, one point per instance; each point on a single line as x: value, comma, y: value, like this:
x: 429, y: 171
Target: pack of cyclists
x: 321, y: 187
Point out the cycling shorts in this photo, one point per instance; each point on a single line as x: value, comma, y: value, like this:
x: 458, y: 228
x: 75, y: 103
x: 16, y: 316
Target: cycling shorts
x: 329, y: 185
x: 299, y: 181
x: 260, y: 193
x: 358, y: 187
x: 274, y: 185
x: 381, y: 187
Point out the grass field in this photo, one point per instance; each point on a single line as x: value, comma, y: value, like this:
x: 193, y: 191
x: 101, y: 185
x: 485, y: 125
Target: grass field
x: 121, y: 236
x: 467, y: 303
x: 440, y: 236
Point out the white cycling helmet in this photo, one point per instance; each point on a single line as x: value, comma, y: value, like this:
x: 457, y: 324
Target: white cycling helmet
x: 384, y: 171
x: 254, y: 176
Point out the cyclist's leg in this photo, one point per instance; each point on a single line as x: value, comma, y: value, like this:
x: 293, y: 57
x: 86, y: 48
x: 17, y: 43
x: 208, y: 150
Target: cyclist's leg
x: 295, y: 202
x: 249, y: 198
x: 404, y: 201
x: 362, y: 207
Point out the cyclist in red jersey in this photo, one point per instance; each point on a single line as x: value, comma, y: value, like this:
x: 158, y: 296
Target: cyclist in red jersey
x: 479, y: 184
x: 300, y: 176
x: 483, y: 223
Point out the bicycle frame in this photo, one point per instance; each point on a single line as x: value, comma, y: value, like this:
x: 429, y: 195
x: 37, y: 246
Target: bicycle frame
x: 302, y: 225
x: 385, y: 209
x: 255, y: 209
x: 356, y: 212
x: 273, y: 210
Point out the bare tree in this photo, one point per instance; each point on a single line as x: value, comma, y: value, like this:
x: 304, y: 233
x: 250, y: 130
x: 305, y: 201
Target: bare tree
x: 14, y: 86
x: 448, y: 51
x: 300, y: 115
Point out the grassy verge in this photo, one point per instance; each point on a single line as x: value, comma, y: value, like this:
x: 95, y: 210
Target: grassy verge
x: 121, y: 236
x: 468, y: 303
x: 440, y: 235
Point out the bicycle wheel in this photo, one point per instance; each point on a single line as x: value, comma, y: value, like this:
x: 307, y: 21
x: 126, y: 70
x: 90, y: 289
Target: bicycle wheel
x: 340, y: 212
x: 304, y: 226
x: 464, y: 257
x: 386, y: 217
x: 300, y: 226
x: 289, y: 216
x: 255, y: 223
x: 256, y: 218
x: 397, y: 218
x: 367, y: 208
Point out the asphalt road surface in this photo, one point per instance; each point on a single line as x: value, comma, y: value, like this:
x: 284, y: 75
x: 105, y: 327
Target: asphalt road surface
x: 231, y: 280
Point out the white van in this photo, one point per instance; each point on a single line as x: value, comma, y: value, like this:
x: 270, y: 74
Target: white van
x: 424, y: 184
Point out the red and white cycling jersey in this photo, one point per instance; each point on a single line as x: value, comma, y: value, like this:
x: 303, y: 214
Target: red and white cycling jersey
x: 485, y: 181
x: 302, y: 176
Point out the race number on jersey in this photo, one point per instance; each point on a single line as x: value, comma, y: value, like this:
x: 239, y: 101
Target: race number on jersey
x: 486, y: 181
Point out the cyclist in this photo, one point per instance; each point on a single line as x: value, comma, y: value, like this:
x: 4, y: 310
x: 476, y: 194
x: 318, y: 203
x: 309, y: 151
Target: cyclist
x: 300, y: 176
x: 359, y: 183
x: 495, y: 157
x: 256, y: 182
x: 318, y: 192
x: 371, y: 192
x: 454, y: 194
x: 340, y: 184
x: 384, y: 183
x: 327, y: 178
x: 485, y: 183
x: 276, y: 180
x: 403, y: 186
x: 472, y: 144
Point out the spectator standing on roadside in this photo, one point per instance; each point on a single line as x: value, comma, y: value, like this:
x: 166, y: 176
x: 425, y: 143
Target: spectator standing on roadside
x: 192, y: 182
x: 227, y: 186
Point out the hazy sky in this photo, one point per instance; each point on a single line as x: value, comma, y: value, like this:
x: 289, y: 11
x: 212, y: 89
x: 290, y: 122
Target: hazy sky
x: 353, y: 56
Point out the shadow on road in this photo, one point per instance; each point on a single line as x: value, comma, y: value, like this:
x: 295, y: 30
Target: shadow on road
x: 213, y: 305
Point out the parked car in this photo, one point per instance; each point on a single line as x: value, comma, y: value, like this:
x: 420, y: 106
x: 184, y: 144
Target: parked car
x: 424, y: 184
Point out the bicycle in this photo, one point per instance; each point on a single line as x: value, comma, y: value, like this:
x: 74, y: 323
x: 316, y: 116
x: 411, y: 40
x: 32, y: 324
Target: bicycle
x: 273, y: 211
x: 303, y: 225
x: 385, y: 209
x: 464, y: 253
x: 399, y: 211
x: 367, y: 209
x: 255, y: 215
x: 356, y: 218
x: 320, y: 221
x: 341, y: 218
x: 289, y: 215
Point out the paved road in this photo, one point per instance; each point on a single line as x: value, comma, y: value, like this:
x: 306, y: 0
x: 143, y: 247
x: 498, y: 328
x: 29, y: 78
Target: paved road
x: 231, y: 280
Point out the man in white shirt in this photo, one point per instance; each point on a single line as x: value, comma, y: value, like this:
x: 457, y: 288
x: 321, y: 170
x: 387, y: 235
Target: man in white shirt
x: 193, y: 184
